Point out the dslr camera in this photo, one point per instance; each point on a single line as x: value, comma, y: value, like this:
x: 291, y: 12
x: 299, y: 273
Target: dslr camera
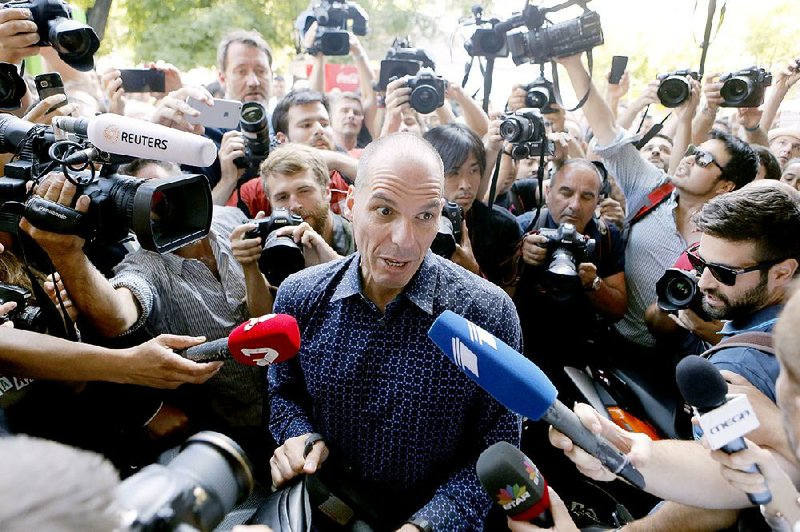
x: 673, y: 88
x: 427, y: 91
x: 281, y: 256
x: 403, y: 60
x: 744, y: 88
x: 75, y: 42
x: 524, y: 130
x: 541, y: 95
x: 254, y: 124
x: 25, y: 316
x: 194, y: 491
x: 677, y: 290
x: 332, y: 20
x: 566, y: 249
x: 542, y: 44
x: 444, y: 244
x: 12, y: 87
x: 165, y: 214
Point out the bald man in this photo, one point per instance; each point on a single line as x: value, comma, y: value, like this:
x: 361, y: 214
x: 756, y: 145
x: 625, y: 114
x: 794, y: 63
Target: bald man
x: 367, y: 379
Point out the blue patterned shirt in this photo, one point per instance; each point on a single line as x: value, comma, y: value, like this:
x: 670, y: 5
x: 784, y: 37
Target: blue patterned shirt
x: 384, y: 396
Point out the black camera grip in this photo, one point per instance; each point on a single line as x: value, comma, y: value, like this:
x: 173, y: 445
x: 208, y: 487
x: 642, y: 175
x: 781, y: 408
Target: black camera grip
x: 56, y: 218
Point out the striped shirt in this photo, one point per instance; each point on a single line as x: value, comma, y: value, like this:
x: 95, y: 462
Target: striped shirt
x: 654, y: 242
x: 182, y: 296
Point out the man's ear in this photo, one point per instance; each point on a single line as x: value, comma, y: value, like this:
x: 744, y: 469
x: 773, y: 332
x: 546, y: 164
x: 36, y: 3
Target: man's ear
x: 351, y: 191
x: 783, y: 272
x: 328, y: 191
x: 281, y: 137
x: 725, y: 185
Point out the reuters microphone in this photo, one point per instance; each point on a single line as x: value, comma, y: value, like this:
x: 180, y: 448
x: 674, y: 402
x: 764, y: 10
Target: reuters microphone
x: 725, y: 419
x: 122, y: 135
x: 519, y: 385
x: 257, y: 342
x: 511, y: 479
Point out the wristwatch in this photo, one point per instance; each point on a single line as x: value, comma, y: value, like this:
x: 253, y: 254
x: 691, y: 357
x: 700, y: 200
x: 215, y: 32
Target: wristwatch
x: 421, y: 523
x: 596, y: 284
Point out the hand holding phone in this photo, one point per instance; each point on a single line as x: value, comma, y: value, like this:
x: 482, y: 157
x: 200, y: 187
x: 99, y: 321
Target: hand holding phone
x: 618, y: 65
x: 223, y: 114
x: 48, y: 85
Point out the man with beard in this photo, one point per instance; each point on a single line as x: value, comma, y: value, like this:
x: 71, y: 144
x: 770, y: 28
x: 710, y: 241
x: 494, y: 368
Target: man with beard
x: 294, y: 177
x: 784, y: 143
x: 657, y: 151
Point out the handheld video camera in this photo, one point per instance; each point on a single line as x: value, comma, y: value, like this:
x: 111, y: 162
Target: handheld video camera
x: 444, y: 244
x: 677, y: 290
x: 674, y: 89
x: 524, y: 130
x: 280, y: 256
x: 332, y: 17
x: 427, y: 91
x: 254, y: 124
x: 24, y: 316
x: 541, y: 95
x: 165, y: 214
x: 194, y: 491
x: 75, y: 42
x: 12, y: 87
x: 402, y: 60
x: 566, y: 249
x: 486, y: 41
x: 744, y: 88
x: 542, y: 44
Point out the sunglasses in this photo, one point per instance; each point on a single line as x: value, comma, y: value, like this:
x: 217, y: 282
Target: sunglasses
x: 702, y: 158
x: 725, y: 274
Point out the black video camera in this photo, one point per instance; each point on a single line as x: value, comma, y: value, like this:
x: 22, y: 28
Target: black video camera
x: 674, y: 89
x: 524, y: 130
x: 332, y: 17
x: 566, y: 249
x: 165, y: 214
x: 542, y: 44
x: 677, y: 290
x: 75, y: 42
x: 427, y: 91
x: 194, y: 491
x: 444, y: 244
x: 486, y: 42
x: 254, y: 124
x: 12, y: 87
x: 744, y: 88
x: 402, y: 60
x: 281, y: 256
x: 24, y: 316
x: 541, y: 95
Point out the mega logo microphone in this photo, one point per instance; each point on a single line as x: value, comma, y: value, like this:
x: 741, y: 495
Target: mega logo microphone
x: 725, y: 419
x: 122, y: 135
x: 511, y: 479
x: 256, y: 342
x: 519, y: 385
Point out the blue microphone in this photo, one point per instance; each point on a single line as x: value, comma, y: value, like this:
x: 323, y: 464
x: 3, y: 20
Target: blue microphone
x: 519, y: 385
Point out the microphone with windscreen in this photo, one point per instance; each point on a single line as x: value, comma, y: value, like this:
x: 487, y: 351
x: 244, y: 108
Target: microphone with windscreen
x: 514, y: 483
x: 257, y: 342
x: 519, y: 385
x: 724, y: 418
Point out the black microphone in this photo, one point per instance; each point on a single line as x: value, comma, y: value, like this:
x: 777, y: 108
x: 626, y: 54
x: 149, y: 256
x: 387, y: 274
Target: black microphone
x: 514, y: 483
x: 723, y: 420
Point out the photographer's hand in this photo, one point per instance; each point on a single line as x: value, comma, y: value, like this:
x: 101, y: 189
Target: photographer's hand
x: 533, y: 251
x: 587, y: 273
x: 60, y: 248
x: 52, y: 284
x: 517, y: 99
x: 463, y: 255
x: 231, y: 148
x: 397, y: 96
x: 18, y: 34
x: 172, y: 77
x: 612, y: 212
x: 315, y: 249
x: 705, y: 330
x: 111, y: 81
x: 5, y: 308
x: 247, y: 252
x: 44, y: 111
x: 172, y: 110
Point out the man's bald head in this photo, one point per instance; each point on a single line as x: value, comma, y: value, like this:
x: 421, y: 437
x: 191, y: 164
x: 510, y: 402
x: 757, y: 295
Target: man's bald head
x: 403, y: 146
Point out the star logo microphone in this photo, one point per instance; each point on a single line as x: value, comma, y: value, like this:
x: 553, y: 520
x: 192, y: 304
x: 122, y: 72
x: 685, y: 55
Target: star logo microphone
x: 514, y: 483
x: 257, y: 342
x: 519, y: 385
x: 724, y: 418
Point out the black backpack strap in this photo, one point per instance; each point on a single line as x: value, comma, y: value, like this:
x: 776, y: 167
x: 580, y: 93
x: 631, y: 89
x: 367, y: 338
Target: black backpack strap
x: 759, y: 340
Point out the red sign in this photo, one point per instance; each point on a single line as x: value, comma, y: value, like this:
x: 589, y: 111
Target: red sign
x: 343, y: 77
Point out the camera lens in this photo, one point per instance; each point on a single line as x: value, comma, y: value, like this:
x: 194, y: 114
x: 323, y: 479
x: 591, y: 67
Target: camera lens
x: 12, y: 87
x: 673, y: 91
x: 280, y: 258
x: 679, y: 291
x: 736, y: 90
x: 491, y: 42
x: 676, y: 290
x: 512, y: 129
x: 537, y: 97
x: 75, y: 43
x: 424, y: 99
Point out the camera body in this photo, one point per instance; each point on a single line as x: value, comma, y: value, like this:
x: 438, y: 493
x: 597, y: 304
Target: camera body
x: 194, y: 491
x: 486, y: 42
x: 75, y: 42
x: 673, y: 88
x: 444, y: 244
x: 566, y: 249
x: 541, y: 95
x: 427, y: 91
x: 542, y: 44
x: 403, y: 60
x: 25, y: 316
x: 254, y: 125
x: 677, y: 290
x: 280, y: 256
x: 332, y: 21
x: 12, y: 87
x: 744, y: 88
x: 525, y: 131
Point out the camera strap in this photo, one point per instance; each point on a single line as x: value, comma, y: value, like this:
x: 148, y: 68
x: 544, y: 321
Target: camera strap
x: 557, y: 89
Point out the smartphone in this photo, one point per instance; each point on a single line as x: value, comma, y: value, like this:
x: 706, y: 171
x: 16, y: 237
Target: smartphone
x: 142, y: 80
x: 48, y: 85
x: 618, y: 64
x: 223, y: 114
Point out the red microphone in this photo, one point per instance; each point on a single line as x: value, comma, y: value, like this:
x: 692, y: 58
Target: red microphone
x: 256, y: 342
